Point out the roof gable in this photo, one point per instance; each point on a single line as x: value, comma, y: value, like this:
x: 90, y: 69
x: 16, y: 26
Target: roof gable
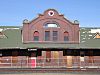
x: 2, y: 35
x: 97, y: 36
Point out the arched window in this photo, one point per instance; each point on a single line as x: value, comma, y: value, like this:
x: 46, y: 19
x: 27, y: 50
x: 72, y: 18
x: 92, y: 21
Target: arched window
x: 51, y: 25
x: 66, y: 36
x: 36, y: 36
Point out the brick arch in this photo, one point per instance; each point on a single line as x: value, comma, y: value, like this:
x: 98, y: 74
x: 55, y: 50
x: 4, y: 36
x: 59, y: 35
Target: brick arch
x: 36, y: 33
x: 66, y: 33
x: 51, y: 22
x: 32, y: 25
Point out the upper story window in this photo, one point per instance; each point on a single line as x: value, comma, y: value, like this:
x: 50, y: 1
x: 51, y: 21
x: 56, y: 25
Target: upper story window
x: 55, y: 35
x: 47, y: 35
x: 36, y: 36
x: 51, y: 25
x: 66, y: 36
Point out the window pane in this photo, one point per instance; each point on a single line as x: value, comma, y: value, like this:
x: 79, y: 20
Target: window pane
x: 66, y: 38
x: 36, y: 38
x: 51, y: 25
x: 55, y: 35
x: 54, y: 38
x: 54, y: 25
x: 47, y: 35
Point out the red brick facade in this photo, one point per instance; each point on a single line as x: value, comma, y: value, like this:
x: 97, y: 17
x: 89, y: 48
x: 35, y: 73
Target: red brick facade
x: 51, y: 27
x: 64, y: 32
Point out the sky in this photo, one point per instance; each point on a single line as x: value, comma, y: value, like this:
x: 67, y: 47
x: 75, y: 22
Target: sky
x: 13, y: 12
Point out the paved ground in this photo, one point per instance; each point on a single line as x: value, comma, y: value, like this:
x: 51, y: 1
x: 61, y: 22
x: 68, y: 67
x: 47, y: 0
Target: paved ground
x: 53, y: 71
x: 75, y: 73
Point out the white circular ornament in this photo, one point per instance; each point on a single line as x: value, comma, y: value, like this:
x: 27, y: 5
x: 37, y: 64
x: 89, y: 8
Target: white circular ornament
x: 51, y: 13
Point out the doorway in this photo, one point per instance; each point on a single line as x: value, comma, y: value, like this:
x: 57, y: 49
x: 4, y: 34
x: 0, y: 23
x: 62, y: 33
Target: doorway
x: 69, y: 61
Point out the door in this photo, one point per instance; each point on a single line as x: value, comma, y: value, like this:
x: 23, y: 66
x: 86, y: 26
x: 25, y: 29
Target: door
x: 33, y: 58
x: 82, y: 59
x: 48, y: 56
x: 15, y: 61
x: 69, y: 61
x: 56, y: 58
x: 82, y: 62
x: 33, y: 62
x: 56, y: 54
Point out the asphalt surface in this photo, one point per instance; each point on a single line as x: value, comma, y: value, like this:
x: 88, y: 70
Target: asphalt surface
x: 69, y: 73
x: 46, y: 71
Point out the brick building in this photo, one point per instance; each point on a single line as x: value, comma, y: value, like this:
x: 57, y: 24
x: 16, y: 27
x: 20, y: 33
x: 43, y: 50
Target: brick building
x: 50, y: 27
x: 49, y: 41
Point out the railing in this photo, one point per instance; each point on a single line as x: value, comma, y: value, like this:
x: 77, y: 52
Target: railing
x: 48, y: 63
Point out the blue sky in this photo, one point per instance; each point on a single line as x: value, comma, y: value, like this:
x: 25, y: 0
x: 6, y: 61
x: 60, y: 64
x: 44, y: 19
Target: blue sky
x: 13, y: 12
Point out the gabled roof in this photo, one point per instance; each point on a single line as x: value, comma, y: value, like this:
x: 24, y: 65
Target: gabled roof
x: 2, y: 35
x: 60, y: 15
x: 14, y: 40
x: 97, y: 35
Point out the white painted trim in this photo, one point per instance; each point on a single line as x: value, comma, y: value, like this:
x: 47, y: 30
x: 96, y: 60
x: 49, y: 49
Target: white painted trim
x: 93, y: 66
x: 22, y: 36
x: 81, y: 58
x: 79, y: 37
x: 33, y: 57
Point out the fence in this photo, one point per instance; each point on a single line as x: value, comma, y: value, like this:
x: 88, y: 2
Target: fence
x: 48, y: 63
